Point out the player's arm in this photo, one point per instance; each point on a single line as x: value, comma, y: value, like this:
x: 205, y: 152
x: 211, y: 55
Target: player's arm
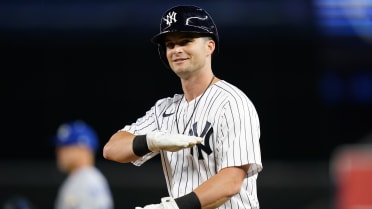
x: 209, y: 195
x: 119, y: 147
x: 221, y: 187
x: 125, y: 147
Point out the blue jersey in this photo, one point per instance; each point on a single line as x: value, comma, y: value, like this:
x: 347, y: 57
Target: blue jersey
x: 86, y: 188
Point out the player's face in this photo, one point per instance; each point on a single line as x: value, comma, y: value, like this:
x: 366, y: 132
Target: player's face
x: 62, y: 158
x: 67, y: 157
x: 188, y: 52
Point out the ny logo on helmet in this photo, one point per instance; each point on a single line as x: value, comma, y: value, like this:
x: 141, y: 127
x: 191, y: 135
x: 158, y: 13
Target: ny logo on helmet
x: 170, y: 18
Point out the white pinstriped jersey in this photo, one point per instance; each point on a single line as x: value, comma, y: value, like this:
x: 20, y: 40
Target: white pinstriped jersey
x: 229, y: 124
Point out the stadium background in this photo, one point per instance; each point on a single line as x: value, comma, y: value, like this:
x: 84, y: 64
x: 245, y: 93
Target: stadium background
x: 306, y: 65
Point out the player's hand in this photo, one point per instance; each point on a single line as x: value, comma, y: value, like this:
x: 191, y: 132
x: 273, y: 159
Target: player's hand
x: 166, y: 203
x: 160, y: 140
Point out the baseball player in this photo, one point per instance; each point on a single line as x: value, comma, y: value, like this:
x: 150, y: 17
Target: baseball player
x: 85, y: 186
x: 208, y: 136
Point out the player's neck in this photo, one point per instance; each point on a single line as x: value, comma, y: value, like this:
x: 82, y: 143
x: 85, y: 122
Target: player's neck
x: 193, y: 88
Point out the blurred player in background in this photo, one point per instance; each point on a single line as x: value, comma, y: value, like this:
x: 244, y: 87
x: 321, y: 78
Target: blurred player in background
x: 85, y: 186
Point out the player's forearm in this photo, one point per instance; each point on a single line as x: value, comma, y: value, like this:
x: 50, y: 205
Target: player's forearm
x: 119, y: 148
x: 221, y: 187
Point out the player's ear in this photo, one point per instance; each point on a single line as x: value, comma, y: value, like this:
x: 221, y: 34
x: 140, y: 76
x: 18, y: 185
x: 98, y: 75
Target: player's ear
x: 211, y: 46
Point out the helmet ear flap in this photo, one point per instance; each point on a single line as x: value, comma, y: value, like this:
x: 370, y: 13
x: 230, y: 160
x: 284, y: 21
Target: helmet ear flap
x: 163, y: 55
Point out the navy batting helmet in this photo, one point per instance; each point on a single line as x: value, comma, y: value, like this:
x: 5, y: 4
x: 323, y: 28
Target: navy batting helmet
x: 185, y: 18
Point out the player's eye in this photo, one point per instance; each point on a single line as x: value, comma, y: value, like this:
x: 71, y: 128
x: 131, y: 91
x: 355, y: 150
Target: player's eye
x: 169, y: 45
x: 184, y: 42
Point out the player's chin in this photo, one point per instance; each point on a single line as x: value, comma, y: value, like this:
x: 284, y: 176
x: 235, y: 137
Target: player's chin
x: 181, y: 71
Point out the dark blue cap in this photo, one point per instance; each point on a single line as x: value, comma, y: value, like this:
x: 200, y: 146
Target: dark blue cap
x: 74, y: 133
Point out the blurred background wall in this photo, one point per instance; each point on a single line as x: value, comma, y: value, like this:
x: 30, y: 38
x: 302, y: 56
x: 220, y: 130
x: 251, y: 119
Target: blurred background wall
x: 306, y: 65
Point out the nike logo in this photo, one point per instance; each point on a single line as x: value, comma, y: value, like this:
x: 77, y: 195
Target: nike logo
x: 167, y: 114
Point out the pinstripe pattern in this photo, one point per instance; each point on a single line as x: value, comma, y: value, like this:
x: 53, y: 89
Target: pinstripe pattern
x: 229, y: 124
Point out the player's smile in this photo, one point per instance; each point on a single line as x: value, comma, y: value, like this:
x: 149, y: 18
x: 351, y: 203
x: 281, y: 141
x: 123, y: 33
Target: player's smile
x: 179, y: 60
